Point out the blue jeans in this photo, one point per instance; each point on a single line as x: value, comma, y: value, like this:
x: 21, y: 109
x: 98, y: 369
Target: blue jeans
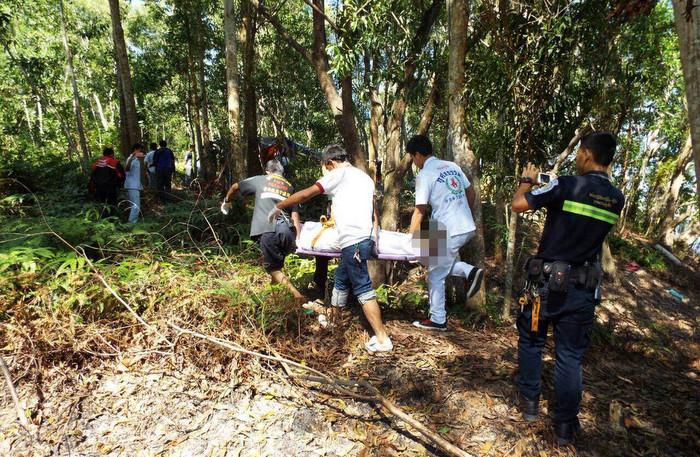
x: 352, y: 275
x: 571, y: 316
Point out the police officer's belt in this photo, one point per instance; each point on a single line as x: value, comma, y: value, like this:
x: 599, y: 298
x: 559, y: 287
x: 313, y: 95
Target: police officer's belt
x: 559, y: 274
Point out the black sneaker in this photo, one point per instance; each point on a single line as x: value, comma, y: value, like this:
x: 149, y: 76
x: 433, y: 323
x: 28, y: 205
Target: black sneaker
x: 566, y: 432
x: 530, y: 408
x: 474, y: 281
x: 427, y: 324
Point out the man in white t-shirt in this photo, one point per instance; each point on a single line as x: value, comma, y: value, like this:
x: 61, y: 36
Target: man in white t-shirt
x: 148, y: 160
x: 352, y: 192
x: 442, y: 185
x: 133, y: 184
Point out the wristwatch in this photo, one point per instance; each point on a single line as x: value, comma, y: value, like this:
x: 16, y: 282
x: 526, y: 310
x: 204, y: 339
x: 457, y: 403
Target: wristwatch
x: 526, y: 180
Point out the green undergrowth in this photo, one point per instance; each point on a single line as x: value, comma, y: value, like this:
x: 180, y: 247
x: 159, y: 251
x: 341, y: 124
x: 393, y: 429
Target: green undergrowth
x: 633, y: 250
x: 184, y: 262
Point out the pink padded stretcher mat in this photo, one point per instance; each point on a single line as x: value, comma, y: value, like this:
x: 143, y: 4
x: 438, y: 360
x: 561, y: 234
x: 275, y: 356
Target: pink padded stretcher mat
x: 337, y: 254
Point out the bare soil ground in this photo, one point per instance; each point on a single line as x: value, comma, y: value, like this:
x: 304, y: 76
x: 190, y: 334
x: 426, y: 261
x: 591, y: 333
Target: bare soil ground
x: 641, y: 381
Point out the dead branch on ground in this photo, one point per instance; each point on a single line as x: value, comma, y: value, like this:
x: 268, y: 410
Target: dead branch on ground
x: 341, y: 386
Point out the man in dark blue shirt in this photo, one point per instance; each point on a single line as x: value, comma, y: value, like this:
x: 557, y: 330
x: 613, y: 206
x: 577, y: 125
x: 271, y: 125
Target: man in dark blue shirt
x: 563, y: 279
x: 164, y: 162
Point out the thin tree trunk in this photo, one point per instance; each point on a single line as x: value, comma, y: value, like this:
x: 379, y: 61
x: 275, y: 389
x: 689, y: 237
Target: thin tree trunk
x: 561, y: 158
x: 27, y: 117
x: 40, y: 116
x: 250, y: 101
x: 340, y: 104
x: 510, y: 255
x: 687, y: 18
x: 237, y: 158
x: 458, y: 144
x: 124, y: 139
x: 42, y: 100
x: 196, y: 108
x: 124, y: 75
x: 208, y: 159
x: 630, y: 207
x: 100, y: 112
x: 663, y: 222
x: 77, y: 110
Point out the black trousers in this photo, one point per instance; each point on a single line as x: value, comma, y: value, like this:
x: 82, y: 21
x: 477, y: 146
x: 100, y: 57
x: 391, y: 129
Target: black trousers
x: 108, y: 197
x: 571, y: 315
x: 164, y: 183
x: 321, y: 272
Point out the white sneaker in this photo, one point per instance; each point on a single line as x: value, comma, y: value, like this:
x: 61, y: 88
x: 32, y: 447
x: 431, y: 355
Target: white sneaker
x: 373, y: 345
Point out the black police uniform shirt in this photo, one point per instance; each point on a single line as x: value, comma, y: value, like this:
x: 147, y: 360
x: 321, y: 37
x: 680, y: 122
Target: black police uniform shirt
x: 581, y: 210
x: 268, y: 190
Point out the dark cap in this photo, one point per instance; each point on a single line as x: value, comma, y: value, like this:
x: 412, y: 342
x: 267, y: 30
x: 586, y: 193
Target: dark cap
x: 333, y: 152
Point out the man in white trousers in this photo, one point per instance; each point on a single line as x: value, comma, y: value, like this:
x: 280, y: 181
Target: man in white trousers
x: 442, y: 185
x: 133, y: 183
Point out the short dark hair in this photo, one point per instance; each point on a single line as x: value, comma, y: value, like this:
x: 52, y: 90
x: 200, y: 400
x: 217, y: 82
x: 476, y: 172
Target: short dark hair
x: 163, y: 143
x: 602, y: 145
x: 334, y: 152
x: 108, y: 151
x: 192, y: 146
x: 153, y: 146
x: 419, y: 144
x: 136, y: 147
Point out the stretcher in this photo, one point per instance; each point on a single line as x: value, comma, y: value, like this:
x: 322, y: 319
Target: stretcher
x: 321, y: 239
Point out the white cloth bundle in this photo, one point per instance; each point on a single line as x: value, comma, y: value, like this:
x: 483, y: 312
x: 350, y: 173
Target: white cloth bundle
x: 395, y: 243
x: 390, y: 243
x: 327, y: 241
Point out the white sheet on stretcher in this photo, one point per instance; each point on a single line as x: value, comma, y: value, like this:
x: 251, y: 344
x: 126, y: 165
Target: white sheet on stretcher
x: 392, y: 245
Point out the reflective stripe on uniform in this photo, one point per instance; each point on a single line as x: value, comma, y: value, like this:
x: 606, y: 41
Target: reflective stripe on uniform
x: 590, y: 211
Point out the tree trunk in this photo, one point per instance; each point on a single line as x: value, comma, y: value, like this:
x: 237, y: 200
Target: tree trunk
x: 580, y: 133
x: 195, y: 109
x: 124, y: 140
x: 340, y: 104
x: 208, y: 159
x: 100, y: 112
x: 608, y: 263
x: 250, y: 101
x: 663, y: 222
x: 124, y: 77
x: 510, y: 265
x: 237, y: 159
x: 630, y: 206
x: 688, y: 27
x: 458, y: 145
x: 77, y: 110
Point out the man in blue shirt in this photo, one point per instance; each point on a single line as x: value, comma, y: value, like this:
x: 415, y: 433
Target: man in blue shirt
x: 164, y: 161
x: 563, y: 279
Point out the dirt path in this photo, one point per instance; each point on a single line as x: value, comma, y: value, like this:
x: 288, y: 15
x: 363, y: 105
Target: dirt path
x: 642, y: 384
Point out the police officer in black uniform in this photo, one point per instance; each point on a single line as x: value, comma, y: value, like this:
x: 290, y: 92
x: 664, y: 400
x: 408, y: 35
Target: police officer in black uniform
x: 563, y: 279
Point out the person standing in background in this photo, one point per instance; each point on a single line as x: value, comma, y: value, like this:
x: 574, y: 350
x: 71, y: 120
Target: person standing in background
x: 105, y: 180
x: 148, y: 160
x: 164, y: 161
x: 189, y: 163
x: 133, y: 183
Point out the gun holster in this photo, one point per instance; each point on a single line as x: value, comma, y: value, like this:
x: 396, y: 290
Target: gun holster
x: 559, y: 276
x: 534, y: 270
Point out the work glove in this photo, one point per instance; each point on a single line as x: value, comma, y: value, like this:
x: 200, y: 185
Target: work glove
x: 273, y: 214
x: 225, y: 208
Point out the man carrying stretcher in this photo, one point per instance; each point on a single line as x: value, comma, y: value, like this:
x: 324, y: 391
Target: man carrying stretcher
x: 352, y: 192
x: 442, y: 185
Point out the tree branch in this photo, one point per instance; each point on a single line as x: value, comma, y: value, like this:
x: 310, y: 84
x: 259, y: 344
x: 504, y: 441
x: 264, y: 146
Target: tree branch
x: 339, y: 384
x: 580, y: 133
x: 328, y: 19
x: 284, y: 33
